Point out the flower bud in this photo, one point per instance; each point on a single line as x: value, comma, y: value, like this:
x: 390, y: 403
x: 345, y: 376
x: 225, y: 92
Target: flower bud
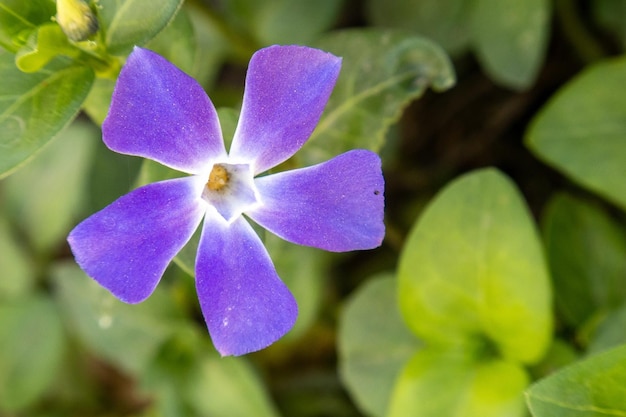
x: 76, y: 19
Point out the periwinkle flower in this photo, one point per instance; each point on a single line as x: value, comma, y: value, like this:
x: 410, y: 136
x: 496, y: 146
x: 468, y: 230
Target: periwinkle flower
x: 159, y: 112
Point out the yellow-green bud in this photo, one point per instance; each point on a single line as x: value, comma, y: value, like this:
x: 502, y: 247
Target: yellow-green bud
x: 76, y: 19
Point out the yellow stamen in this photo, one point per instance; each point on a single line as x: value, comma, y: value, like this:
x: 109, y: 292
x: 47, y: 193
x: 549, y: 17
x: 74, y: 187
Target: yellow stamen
x: 218, y: 178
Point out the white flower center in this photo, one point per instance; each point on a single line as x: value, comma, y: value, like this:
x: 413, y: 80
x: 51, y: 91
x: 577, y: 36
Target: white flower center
x: 230, y: 189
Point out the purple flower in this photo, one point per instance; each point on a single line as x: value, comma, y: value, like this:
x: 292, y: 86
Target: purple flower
x: 160, y: 113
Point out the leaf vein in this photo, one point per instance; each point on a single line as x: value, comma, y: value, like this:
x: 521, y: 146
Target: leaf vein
x: 17, y: 16
x: 582, y: 407
x: 30, y: 93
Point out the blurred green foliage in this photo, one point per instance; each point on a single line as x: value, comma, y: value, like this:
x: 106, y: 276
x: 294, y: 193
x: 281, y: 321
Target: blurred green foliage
x: 500, y: 289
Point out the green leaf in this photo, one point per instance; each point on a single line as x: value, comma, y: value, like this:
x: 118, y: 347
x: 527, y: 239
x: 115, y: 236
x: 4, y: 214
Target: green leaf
x: 586, y: 251
x: 134, y: 22
x: 374, y: 344
x: 451, y: 384
x: 44, y: 43
x: 510, y: 38
x: 18, y: 18
x: 112, y: 175
x: 560, y: 354
x: 18, y: 273
x: 228, y: 387
x: 173, y: 369
x: 611, y: 14
x: 443, y: 21
x: 177, y: 42
x: 582, y: 133
x: 610, y: 332
x: 473, y: 267
x: 283, y: 21
x: 382, y: 73
x: 212, y: 48
x: 128, y: 336
x: 590, y: 388
x: 189, y: 378
x: 98, y: 101
x: 32, y: 344
x: 45, y: 197
x: 34, y: 108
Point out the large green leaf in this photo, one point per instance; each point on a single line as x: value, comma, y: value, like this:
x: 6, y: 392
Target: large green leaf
x: 228, y: 387
x: 382, y: 72
x: 587, y: 256
x: 34, y: 108
x: 510, y: 38
x: 582, y: 130
x: 44, y: 197
x: 443, y: 21
x: 134, y: 22
x: 18, y: 270
x: 591, y: 388
x: 283, y: 21
x: 610, y: 332
x: 32, y: 344
x: 452, y: 384
x: 473, y: 267
x: 128, y: 336
x: 18, y: 18
x: 374, y: 344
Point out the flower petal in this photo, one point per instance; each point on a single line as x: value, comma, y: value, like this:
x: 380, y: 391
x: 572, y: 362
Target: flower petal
x: 245, y: 304
x: 159, y: 112
x: 127, y: 245
x: 337, y: 205
x: 287, y: 88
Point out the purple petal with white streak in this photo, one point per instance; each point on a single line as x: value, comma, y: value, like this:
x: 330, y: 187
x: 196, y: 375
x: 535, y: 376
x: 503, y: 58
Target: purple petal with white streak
x: 245, y: 304
x: 127, y: 245
x: 159, y: 112
x: 337, y: 205
x: 287, y: 88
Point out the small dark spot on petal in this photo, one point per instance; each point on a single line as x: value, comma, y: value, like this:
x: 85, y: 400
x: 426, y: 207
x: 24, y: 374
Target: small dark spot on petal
x: 376, y: 192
